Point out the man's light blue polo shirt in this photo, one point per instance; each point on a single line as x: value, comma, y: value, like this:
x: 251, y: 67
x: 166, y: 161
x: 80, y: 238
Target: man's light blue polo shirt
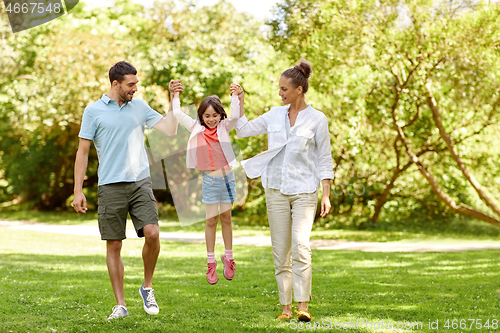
x: 118, y: 135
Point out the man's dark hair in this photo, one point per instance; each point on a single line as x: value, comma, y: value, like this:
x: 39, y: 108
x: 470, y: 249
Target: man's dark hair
x: 119, y: 70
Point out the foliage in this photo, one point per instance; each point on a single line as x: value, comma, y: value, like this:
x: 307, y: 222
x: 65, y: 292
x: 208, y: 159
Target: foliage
x: 43, y: 103
x: 372, y: 60
x: 45, y: 92
x: 376, y: 58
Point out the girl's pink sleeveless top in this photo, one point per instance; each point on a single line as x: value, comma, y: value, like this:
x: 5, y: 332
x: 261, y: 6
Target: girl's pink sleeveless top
x: 209, y: 153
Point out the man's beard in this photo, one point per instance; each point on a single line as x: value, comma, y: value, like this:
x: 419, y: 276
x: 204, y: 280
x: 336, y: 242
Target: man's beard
x: 124, y: 97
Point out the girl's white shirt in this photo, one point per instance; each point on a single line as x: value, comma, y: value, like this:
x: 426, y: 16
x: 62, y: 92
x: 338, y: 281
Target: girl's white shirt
x: 195, y: 127
x: 308, y: 156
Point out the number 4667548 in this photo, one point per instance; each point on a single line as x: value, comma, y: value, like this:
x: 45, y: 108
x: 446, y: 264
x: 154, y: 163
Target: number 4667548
x: 471, y: 324
x: 33, y: 8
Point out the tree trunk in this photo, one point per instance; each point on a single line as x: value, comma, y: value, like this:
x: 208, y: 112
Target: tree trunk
x: 383, y: 198
x: 458, y: 208
x: 483, y: 194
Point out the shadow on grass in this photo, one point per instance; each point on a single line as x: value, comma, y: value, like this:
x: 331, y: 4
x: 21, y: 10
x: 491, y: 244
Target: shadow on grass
x: 456, y: 227
x: 59, y: 293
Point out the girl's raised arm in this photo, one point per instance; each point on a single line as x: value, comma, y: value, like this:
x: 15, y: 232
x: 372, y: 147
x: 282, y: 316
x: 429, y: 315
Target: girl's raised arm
x: 235, y: 91
x: 183, y: 118
x: 238, y: 90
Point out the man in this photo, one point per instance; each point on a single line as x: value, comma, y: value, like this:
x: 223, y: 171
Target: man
x: 116, y: 125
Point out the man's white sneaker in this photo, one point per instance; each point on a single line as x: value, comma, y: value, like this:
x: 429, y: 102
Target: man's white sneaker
x: 118, y: 311
x: 148, y: 297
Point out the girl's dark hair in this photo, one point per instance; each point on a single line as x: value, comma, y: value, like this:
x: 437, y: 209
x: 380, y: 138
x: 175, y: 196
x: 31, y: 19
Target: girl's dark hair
x: 215, y: 102
x: 299, y: 75
x: 119, y: 70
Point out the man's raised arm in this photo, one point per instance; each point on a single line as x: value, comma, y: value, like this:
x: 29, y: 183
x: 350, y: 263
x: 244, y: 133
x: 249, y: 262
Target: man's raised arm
x: 168, y: 124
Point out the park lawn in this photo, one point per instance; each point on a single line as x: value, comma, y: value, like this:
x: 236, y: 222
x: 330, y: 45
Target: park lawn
x: 59, y: 283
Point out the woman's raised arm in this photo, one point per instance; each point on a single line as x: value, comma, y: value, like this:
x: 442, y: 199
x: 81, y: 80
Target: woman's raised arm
x: 245, y: 128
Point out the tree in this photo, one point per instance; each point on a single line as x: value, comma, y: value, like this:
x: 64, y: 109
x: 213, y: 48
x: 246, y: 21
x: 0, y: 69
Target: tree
x: 386, y: 53
x: 58, y: 70
x: 53, y: 71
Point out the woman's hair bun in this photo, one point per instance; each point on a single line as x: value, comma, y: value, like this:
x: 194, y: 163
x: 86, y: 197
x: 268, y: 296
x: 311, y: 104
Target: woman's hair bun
x: 299, y: 74
x: 304, y: 67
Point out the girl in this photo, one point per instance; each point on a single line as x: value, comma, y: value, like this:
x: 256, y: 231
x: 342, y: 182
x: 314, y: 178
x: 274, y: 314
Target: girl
x: 299, y: 157
x: 209, y: 150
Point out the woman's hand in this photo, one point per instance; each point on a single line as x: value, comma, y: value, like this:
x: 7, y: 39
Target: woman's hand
x: 325, y: 201
x: 175, y: 88
x: 325, y: 206
x: 241, y: 96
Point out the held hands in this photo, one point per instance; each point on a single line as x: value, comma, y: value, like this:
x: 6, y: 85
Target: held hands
x: 175, y: 88
x: 236, y: 89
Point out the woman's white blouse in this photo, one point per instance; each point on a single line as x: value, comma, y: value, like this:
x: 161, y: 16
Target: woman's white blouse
x: 308, y: 156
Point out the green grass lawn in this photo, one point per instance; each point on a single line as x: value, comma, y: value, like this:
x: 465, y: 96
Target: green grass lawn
x: 59, y: 283
x: 414, y: 230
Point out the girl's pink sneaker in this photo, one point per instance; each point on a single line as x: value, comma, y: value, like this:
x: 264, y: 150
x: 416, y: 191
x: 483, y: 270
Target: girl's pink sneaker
x: 228, y: 267
x: 212, y: 277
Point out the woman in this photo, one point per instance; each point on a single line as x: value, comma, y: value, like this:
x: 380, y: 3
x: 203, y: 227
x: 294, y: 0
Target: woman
x: 298, y: 158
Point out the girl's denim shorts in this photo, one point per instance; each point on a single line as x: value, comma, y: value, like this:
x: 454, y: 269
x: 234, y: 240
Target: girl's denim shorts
x: 219, y: 189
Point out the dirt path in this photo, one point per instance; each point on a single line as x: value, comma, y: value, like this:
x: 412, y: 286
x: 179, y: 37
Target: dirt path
x: 321, y: 244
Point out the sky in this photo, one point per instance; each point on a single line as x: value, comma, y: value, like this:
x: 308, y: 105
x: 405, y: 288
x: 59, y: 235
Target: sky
x: 259, y: 8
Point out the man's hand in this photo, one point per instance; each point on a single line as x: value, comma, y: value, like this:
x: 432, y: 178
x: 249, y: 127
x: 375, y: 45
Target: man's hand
x: 81, y: 161
x: 175, y: 88
x: 80, y: 203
